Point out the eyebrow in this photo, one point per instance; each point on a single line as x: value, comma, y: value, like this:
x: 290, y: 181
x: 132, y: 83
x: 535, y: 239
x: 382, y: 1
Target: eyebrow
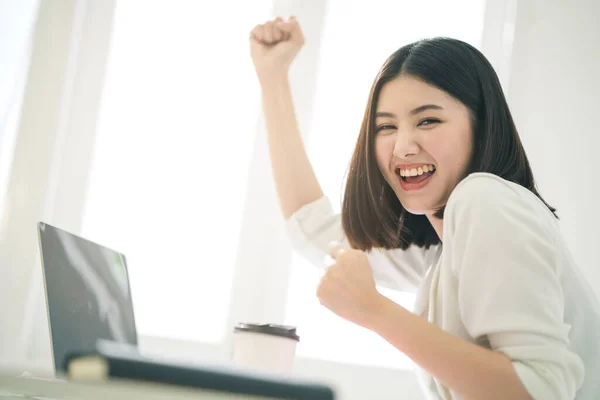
x: 417, y: 110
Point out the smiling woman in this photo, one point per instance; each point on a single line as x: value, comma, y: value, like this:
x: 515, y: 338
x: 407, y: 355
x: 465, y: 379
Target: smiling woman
x: 438, y: 159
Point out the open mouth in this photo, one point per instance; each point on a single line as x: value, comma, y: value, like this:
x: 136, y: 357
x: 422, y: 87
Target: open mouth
x: 415, y: 177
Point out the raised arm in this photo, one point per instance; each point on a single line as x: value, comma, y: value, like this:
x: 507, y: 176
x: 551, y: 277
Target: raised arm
x: 274, y: 46
x: 312, y: 223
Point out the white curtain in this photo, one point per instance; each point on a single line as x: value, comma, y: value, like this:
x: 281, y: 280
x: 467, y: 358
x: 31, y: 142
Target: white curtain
x: 17, y: 20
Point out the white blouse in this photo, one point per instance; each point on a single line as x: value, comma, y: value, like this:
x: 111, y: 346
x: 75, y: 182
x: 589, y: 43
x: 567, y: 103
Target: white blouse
x: 504, y: 279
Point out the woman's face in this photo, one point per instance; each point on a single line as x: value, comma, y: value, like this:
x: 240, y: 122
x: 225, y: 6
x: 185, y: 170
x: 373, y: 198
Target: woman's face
x: 423, y: 143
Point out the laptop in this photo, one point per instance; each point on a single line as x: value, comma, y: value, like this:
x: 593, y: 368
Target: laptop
x: 88, y: 294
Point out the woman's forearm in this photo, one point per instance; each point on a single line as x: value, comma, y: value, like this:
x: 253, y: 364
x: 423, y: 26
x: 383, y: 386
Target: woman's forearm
x: 295, y: 180
x: 468, y: 369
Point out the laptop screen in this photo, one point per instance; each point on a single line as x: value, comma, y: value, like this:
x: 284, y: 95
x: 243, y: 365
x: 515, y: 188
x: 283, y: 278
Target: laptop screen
x: 87, y: 291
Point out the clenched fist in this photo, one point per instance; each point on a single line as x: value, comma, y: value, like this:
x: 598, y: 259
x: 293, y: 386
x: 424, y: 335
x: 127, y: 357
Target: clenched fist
x: 348, y: 288
x: 274, y: 45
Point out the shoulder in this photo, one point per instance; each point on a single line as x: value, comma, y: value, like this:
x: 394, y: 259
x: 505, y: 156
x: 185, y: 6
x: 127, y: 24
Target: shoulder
x: 499, y: 218
x: 483, y: 187
x: 489, y: 191
x: 488, y: 197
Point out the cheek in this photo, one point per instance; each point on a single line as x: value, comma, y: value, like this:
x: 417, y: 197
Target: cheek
x: 452, y: 150
x: 463, y: 150
x: 384, y: 149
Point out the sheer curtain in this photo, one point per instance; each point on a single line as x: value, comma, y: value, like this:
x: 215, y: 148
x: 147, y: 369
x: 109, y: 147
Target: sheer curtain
x: 358, y: 37
x: 17, y: 21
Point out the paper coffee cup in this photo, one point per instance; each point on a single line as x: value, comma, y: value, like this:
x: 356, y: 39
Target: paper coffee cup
x: 265, y: 347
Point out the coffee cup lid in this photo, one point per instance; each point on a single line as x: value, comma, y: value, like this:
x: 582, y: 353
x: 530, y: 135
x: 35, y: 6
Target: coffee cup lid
x: 269, y: 329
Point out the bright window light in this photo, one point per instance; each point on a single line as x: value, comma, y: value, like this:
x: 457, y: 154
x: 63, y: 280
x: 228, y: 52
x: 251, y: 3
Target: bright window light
x: 168, y: 181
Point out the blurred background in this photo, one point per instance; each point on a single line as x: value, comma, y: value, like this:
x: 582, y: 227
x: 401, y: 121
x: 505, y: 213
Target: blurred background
x: 137, y: 124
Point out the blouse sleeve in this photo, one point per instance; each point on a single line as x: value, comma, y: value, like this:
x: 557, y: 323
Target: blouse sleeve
x: 503, y: 252
x: 315, y: 225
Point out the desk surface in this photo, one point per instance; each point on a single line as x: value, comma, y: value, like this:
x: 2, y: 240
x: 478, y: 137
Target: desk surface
x: 14, y: 388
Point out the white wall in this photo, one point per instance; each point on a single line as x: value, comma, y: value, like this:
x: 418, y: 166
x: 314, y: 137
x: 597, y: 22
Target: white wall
x: 554, y: 92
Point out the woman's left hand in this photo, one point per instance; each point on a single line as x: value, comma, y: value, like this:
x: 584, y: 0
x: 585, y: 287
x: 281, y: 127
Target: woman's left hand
x: 348, y: 288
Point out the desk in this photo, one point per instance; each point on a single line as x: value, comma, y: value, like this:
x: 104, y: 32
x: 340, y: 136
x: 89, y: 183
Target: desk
x: 14, y: 388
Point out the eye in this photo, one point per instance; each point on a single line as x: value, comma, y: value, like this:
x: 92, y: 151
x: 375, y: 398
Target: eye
x: 428, y: 121
x: 384, y: 127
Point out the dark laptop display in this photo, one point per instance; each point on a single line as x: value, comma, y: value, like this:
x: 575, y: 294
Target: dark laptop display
x: 87, y: 291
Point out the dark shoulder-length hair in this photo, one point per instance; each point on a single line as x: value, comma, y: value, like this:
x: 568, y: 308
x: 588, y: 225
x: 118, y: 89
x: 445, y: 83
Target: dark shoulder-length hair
x: 372, y: 215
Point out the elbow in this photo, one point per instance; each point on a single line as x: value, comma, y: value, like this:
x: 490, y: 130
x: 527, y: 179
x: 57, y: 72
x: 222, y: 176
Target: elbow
x: 309, y: 244
x: 544, y: 381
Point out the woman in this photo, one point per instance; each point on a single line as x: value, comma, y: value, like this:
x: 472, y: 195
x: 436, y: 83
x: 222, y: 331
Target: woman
x: 440, y: 198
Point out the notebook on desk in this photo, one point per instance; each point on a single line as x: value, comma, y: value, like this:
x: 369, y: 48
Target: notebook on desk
x: 115, y: 361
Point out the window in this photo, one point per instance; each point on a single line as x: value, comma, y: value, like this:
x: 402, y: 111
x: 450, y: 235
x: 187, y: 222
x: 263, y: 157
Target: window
x: 177, y: 121
x: 358, y: 37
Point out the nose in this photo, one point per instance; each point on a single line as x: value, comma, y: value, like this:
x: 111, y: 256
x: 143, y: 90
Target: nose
x: 406, y: 145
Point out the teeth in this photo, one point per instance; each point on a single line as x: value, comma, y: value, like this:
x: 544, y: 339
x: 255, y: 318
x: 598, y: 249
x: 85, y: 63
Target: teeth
x: 417, y: 171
